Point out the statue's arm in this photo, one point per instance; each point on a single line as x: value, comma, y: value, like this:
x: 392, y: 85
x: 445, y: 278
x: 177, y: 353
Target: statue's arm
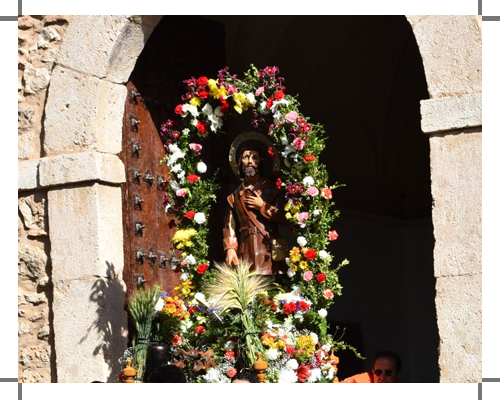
x: 230, y: 239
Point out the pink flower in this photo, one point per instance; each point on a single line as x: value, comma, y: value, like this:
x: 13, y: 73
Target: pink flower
x: 181, y: 192
x: 302, y: 217
x: 259, y: 91
x: 328, y: 294
x: 298, y: 143
x: 291, y: 116
x: 231, y: 372
x: 312, y: 191
x: 332, y: 235
x: 195, y: 147
x: 326, y: 193
x: 308, y: 275
x: 229, y: 355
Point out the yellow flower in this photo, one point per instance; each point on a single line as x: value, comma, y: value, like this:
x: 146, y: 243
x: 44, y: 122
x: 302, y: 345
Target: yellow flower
x: 295, y: 255
x: 288, y: 206
x: 288, y: 215
x: 195, y: 101
x: 215, y: 91
x: 241, y: 101
x: 304, y: 266
x: 182, y: 238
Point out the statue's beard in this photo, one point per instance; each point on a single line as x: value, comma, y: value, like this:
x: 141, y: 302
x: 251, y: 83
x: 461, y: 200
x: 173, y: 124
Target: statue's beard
x: 250, y: 171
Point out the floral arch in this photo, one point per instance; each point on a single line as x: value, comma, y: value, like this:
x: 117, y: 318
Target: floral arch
x: 230, y: 315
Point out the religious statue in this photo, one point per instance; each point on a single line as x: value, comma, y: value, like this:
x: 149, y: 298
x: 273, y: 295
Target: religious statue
x: 255, y: 208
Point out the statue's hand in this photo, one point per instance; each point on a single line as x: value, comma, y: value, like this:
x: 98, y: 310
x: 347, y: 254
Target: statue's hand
x: 254, y: 201
x: 232, y: 257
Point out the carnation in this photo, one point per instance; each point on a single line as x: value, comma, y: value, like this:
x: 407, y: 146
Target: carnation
x: 298, y: 143
x: 201, y: 167
x: 287, y: 376
x: 272, y: 354
x: 200, y: 218
x: 190, y: 259
x: 184, y: 276
x: 323, y: 254
x: 195, y: 147
x: 314, y: 337
x: 315, y: 375
x: 292, y: 364
x: 312, y: 191
x: 308, y: 181
x: 301, y: 240
x: 291, y: 116
x: 181, y: 192
x: 308, y: 275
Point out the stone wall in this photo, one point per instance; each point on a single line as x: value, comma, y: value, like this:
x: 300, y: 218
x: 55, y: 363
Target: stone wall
x: 39, y: 39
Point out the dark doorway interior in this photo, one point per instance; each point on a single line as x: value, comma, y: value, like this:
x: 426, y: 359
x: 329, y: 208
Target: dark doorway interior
x: 362, y: 78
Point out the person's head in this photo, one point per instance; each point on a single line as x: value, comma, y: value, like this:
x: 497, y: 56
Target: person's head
x: 252, y: 159
x: 386, y: 367
x: 167, y: 373
x: 245, y: 377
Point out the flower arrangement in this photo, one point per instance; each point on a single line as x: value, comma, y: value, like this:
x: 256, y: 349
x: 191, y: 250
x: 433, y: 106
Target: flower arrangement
x: 286, y: 322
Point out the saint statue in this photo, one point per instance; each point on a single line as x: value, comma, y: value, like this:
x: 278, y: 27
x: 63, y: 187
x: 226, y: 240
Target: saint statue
x: 255, y: 208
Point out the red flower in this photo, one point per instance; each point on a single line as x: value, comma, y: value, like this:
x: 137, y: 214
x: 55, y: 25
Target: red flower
x: 290, y: 350
x: 303, y: 306
x: 303, y: 372
x: 332, y: 235
x: 309, y: 158
x: 278, y: 183
x: 229, y: 355
x: 269, y: 103
x: 289, y: 308
x: 176, y: 340
x: 199, y: 330
x: 178, y: 110
x: 310, y: 254
x: 326, y: 193
x: 271, y: 153
x: 190, y: 214
x: 203, y: 93
x: 192, y: 179
x: 279, y: 94
x: 231, y: 372
x: 202, y: 268
x: 224, y: 105
x: 321, y: 277
x: 202, y: 81
x: 202, y: 127
x: 191, y: 309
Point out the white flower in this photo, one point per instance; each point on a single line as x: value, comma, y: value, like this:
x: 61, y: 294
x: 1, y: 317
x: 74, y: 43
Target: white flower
x: 215, y: 122
x: 290, y: 272
x: 251, y: 99
x: 323, y: 254
x: 194, y: 122
x: 316, y: 212
x: 284, y: 140
x: 200, y: 297
x: 272, y: 354
x: 322, y: 313
x: 308, y: 181
x: 301, y: 240
x: 176, y: 168
x: 314, y: 337
x: 287, y: 261
x: 229, y: 345
x: 186, y: 131
x: 200, y: 218
x: 175, y: 185
x: 287, y: 376
x: 172, y: 159
x: 292, y: 364
x: 184, y: 277
x: 167, y: 207
x: 173, y: 148
x: 276, y: 103
x: 190, y: 259
x: 288, y: 149
x: 299, y: 317
x: 315, y: 375
x: 277, y: 117
x: 326, y: 348
x: 193, y: 110
x: 207, y: 109
x: 218, y: 112
x: 186, y: 324
x: 263, y: 107
x: 201, y: 167
x: 330, y: 373
x: 160, y: 304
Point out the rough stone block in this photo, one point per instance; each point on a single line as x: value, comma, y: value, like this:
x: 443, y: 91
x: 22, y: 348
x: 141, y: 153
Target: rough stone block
x: 458, y: 306
x: 32, y: 261
x: 450, y: 113
x: 86, y: 232
x: 457, y: 210
x: 88, y: 347
x: 27, y: 175
x: 81, y: 167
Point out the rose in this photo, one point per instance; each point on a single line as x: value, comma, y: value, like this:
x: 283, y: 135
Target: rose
x: 192, y: 178
x: 301, y: 241
x: 202, y: 127
x: 224, y: 105
x: 181, y: 192
x: 190, y: 214
x: 196, y: 147
x: 308, y: 275
x: 202, y: 268
x: 178, y: 110
x: 269, y: 103
x: 328, y: 294
x: 312, y: 191
x: 229, y: 355
x: 310, y: 254
x: 323, y: 254
x: 279, y: 95
x: 291, y: 116
x: 321, y: 277
x: 176, y: 340
x: 203, y: 94
x: 332, y: 235
x: 199, y: 330
x: 202, y: 81
x: 303, y: 305
x: 289, y: 308
x: 231, y: 372
x: 200, y: 218
x: 322, y: 313
x: 326, y: 193
x: 298, y: 143
x: 309, y: 158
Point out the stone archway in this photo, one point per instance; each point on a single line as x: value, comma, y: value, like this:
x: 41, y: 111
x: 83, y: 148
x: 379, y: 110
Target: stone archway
x: 83, y: 135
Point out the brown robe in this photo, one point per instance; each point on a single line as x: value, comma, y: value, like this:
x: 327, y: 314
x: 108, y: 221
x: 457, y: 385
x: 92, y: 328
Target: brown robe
x: 242, y: 234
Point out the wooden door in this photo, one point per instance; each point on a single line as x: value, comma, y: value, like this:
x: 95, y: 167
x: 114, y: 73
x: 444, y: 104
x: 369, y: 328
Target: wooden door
x: 180, y: 47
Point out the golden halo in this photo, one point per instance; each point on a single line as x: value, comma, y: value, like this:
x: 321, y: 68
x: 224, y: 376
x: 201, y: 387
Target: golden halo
x: 244, y: 137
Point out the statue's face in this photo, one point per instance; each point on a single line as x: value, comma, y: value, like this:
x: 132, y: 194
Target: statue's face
x: 250, y: 162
